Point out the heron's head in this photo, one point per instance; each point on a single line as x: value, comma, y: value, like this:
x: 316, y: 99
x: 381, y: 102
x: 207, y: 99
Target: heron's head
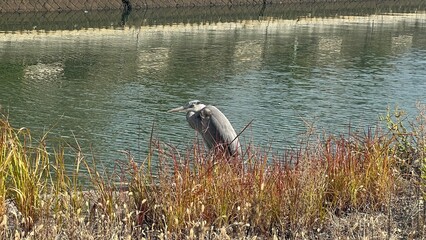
x: 194, y: 105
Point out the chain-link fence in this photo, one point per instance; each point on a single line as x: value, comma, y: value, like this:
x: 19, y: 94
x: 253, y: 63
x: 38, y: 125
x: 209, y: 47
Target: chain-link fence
x: 74, y: 5
x: 140, y: 16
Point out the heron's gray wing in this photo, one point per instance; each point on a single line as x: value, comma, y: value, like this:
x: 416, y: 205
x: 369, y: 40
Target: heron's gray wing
x: 218, y: 130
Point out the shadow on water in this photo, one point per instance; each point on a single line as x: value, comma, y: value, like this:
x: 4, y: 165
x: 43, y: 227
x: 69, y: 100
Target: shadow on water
x: 75, y: 20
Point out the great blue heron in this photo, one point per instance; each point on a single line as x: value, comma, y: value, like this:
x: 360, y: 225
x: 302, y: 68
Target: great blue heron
x: 213, y: 126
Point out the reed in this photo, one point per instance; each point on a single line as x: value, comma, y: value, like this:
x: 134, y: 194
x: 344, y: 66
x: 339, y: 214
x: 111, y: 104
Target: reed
x: 202, y: 192
x: 196, y: 194
x: 24, y: 167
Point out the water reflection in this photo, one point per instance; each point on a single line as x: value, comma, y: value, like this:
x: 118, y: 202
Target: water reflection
x: 107, y: 87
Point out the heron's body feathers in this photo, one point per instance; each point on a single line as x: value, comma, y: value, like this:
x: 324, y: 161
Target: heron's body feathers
x: 214, y: 127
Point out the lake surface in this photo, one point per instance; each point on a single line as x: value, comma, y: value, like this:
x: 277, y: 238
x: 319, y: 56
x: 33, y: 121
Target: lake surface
x: 107, y: 87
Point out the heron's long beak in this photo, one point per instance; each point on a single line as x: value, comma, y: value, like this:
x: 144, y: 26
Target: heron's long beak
x: 178, y: 109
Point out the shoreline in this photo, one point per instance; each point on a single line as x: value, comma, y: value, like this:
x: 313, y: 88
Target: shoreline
x: 135, y: 27
x: 199, y: 17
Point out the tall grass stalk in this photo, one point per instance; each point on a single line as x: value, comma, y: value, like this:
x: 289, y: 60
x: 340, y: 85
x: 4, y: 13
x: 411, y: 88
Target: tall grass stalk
x: 25, y: 168
x: 360, y: 171
x: 196, y: 193
x: 201, y: 191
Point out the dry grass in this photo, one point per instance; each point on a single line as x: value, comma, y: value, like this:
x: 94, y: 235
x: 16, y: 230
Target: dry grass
x: 348, y: 187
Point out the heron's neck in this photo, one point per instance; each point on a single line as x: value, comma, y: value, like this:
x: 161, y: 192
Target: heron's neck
x: 189, y: 114
x: 196, y: 109
x: 199, y: 107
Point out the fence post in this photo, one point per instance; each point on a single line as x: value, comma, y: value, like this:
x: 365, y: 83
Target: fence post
x: 127, y: 6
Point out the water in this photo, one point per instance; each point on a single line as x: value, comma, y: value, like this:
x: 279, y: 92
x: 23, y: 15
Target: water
x: 107, y: 87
